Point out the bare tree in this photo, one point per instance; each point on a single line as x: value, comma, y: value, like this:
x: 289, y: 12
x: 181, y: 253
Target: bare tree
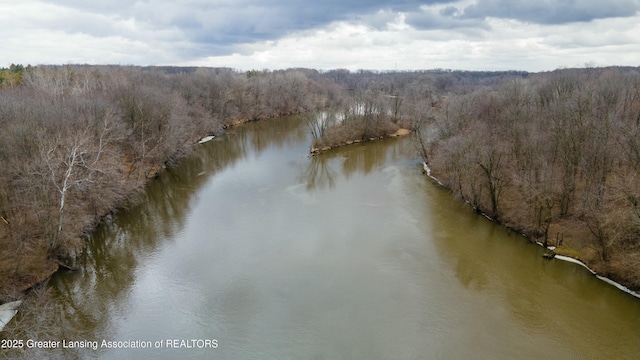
x: 68, y: 169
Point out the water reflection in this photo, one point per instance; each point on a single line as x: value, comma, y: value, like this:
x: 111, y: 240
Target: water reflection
x: 318, y: 174
x: 259, y: 136
x: 362, y: 159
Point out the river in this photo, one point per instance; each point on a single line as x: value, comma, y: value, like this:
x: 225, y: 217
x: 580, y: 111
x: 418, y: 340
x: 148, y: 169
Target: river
x: 256, y: 251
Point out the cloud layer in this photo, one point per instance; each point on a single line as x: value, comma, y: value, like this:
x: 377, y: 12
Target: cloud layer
x: 468, y: 34
x: 551, y: 12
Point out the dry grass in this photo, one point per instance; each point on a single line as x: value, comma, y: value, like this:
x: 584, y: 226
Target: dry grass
x: 568, y: 251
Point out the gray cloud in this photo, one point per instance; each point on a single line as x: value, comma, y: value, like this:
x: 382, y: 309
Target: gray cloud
x: 273, y: 33
x: 551, y: 12
x: 446, y: 19
x: 273, y: 19
x: 379, y: 20
x: 218, y: 27
x: 111, y: 6
x: 219, y: 24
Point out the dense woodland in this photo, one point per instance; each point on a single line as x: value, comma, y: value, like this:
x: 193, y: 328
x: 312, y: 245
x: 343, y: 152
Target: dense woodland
x: 78, y: 142
x: 555, y: 155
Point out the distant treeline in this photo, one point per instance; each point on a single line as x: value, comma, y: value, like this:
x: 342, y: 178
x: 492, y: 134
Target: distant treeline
x: 556, y: 155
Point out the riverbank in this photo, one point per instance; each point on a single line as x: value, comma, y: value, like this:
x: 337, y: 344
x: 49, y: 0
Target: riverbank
x: 558, y: 253
x: 41, y: 270
x: 553, y: 156
x: 75, y: 153
x: 52, y: 265
x: 562, y: 243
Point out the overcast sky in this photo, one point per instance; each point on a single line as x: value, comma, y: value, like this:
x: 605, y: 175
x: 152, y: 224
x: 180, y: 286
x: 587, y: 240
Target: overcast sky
x: 532, y: 35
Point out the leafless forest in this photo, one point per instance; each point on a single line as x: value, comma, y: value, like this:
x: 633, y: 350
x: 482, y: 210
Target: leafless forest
x: 78, y: 142
x: 554, y: 155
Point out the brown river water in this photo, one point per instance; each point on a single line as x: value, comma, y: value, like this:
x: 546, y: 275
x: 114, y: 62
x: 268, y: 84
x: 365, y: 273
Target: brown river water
x: 252, y: 250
